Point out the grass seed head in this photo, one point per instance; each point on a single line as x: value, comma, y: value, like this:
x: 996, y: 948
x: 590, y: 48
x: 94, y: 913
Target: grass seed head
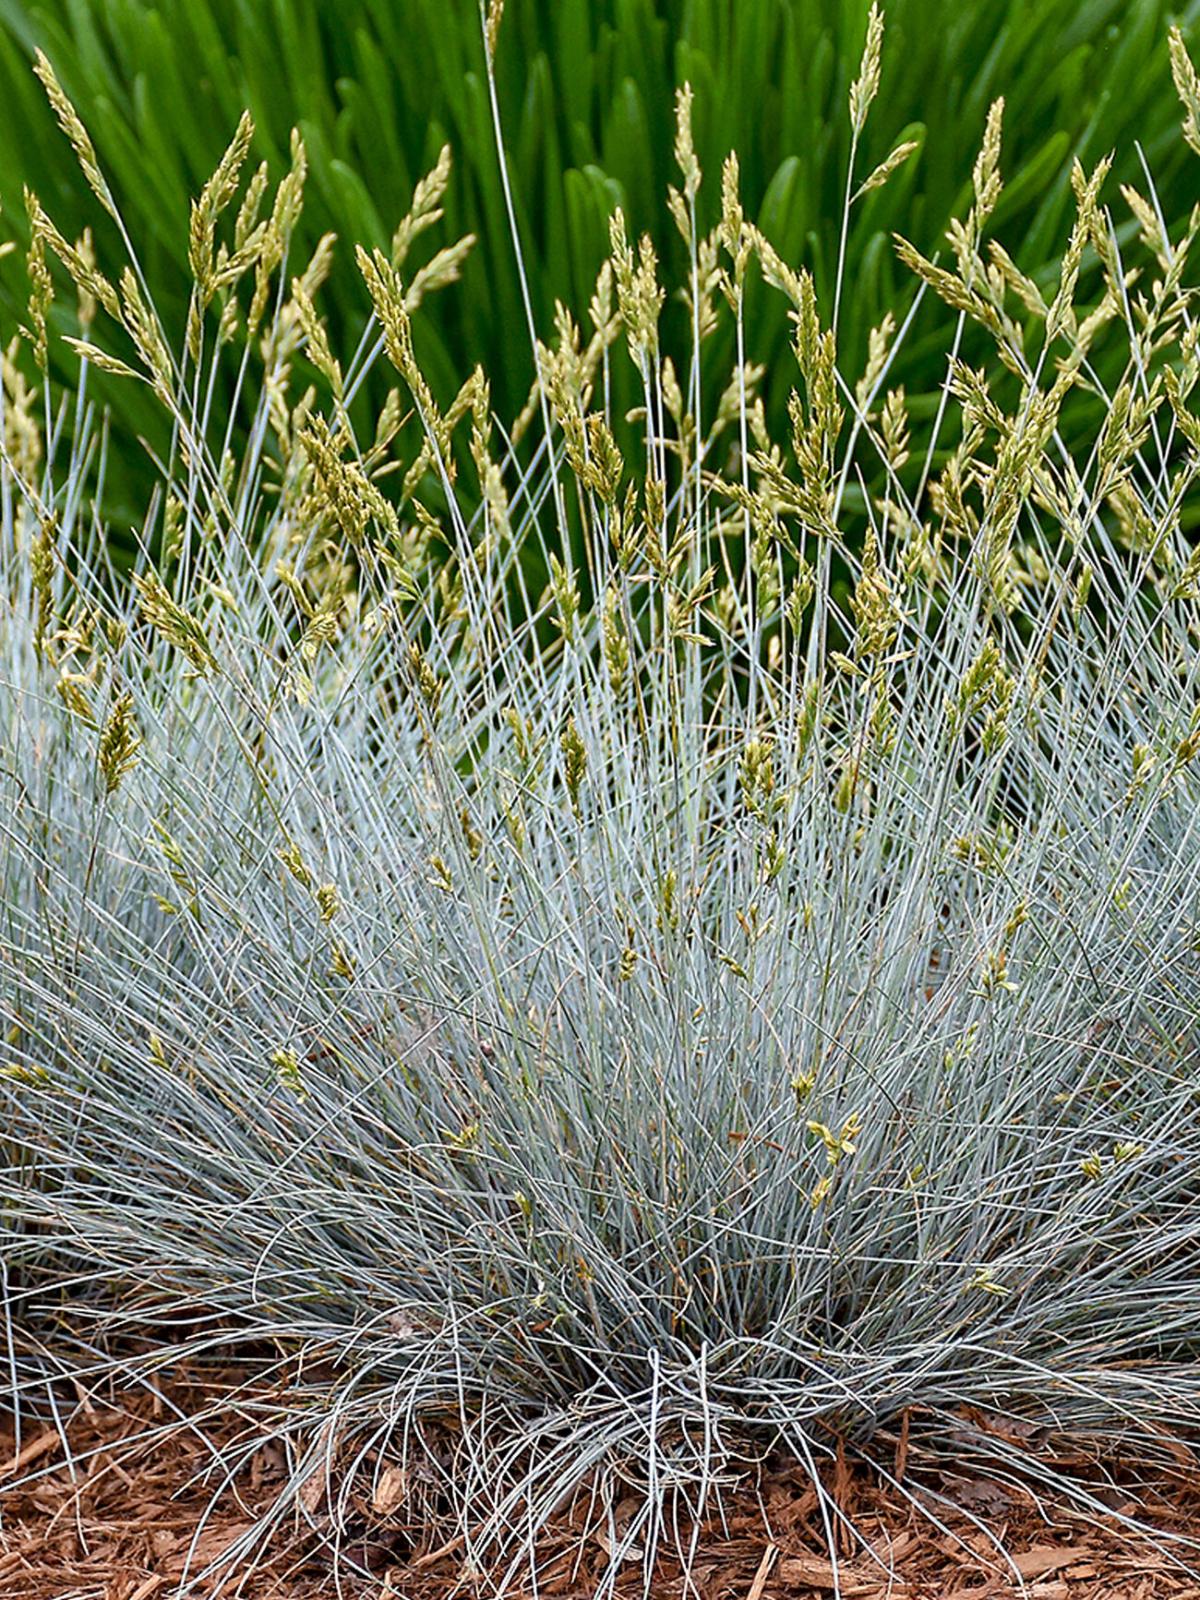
x: 70, y: 123
x: 117, y: 750
x: 866, y: 86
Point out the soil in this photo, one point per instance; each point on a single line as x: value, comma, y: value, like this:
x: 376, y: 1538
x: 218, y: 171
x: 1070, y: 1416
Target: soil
x: 113, y: 1505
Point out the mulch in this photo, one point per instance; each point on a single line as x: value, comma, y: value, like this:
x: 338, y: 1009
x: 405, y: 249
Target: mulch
x: 102, y: 1508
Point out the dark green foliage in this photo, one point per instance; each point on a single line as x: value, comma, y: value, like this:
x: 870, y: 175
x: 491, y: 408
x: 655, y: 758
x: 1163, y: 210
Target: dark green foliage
x: 376, y: 86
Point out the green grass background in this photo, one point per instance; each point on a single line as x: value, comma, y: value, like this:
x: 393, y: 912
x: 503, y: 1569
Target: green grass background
x: 586, y: 91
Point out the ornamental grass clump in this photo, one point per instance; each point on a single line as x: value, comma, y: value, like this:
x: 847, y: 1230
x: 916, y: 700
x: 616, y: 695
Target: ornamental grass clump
x: 735, y: 993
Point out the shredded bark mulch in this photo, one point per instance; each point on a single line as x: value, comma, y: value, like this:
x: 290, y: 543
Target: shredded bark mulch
x: 95, y: 1509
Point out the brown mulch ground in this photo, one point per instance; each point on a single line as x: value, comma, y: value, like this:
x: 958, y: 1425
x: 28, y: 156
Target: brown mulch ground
x: 118, y: 1520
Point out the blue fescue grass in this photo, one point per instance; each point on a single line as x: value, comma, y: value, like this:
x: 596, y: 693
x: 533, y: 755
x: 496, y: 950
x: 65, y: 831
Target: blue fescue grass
x: 619, y: 1030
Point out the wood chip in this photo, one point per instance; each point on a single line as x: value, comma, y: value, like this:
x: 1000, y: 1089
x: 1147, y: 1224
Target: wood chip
x: 1044, y: 1558
x: 145, y: 1590
x: 813, y: 1572
x: 391, y: 1491
x: 33, y: 1451
x: 901, y: 1462
x: 764, y: 1572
